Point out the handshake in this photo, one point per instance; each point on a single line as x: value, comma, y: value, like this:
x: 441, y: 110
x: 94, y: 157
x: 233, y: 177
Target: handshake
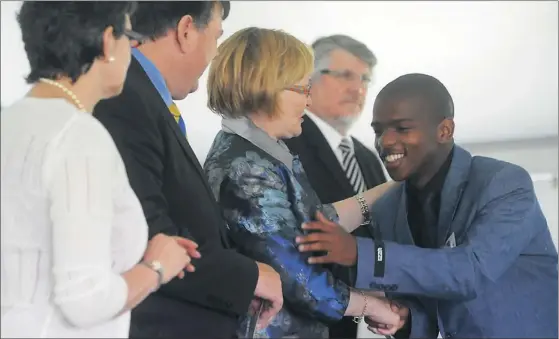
x: 384, y: 316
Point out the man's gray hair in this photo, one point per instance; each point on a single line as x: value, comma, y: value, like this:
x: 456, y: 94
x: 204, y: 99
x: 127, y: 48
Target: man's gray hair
x: 324, y: 46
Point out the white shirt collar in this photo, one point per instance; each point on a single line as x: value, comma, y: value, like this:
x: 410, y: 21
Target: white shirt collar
x: 332, y: 136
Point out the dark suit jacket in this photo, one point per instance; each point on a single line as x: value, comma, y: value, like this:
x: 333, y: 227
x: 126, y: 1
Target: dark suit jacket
x: 494, y: 271
x: 176, y: 198
x: 330, y: 183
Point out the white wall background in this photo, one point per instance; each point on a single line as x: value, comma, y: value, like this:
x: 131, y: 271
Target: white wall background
x: 498, y: 59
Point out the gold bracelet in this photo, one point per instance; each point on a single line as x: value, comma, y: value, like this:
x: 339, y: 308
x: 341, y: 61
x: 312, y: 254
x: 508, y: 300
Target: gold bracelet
x: 357, y: 320
x: 364, y: 209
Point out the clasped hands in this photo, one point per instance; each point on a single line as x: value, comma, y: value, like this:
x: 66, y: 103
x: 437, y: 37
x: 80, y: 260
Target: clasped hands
x: 174, y: 253
x: 341, y: 248
x: 191, y: 249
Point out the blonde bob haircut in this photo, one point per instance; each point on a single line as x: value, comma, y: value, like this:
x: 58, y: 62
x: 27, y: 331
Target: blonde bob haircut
x: 251, y: 69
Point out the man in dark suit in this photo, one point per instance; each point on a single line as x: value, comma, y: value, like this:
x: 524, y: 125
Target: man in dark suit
x: 338, y: 165
x: 165, y: 174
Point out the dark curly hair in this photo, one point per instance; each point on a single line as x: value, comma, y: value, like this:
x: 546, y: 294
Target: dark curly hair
x: 154, y: 18
x: 63, y: 38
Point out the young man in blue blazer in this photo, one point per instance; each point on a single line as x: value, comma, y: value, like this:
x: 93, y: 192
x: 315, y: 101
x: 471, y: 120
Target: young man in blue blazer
x: 461, y: 240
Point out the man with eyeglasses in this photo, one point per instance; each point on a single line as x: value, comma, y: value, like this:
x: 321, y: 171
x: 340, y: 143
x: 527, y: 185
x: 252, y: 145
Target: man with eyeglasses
x: 338, y: 165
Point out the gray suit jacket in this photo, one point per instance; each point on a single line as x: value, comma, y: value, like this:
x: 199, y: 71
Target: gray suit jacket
x: 499, y: 281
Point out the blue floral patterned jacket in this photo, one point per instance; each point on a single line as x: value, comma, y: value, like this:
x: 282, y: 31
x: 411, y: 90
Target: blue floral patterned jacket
x: 266, y: 197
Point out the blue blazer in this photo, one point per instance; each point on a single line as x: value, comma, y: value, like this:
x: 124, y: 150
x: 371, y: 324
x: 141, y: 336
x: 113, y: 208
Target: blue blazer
x: 499, y: 281
x: 265, y: 200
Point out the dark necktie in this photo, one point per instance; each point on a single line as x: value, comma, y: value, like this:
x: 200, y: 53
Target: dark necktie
x: 351, y: 167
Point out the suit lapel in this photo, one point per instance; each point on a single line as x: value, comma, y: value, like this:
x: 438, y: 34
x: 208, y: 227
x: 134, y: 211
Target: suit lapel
x: 451, y: 195
x: 185, y: 145
x: 324, y: 154
x: 161, y: 107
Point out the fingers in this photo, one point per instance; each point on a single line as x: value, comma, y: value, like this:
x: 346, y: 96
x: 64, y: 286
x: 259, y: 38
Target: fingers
x: 321, y: 223
x: 189, y: 245
x: 255, y: 306
x: 265, y: 319
x: 315, y: 247
x: 382, y: 331
x: 313, y: 237
x: 320, y: 217
x: 375, y: 324
x: 190, y: 268
x: 315, y: 225
x: 269, y: 311
x: 387, y: 331
x: 186, y: 243
x: 401, y: 310
x: 194, y: 254
x: 188, y: 264
x: 325, y: 259
x: 395, y: 307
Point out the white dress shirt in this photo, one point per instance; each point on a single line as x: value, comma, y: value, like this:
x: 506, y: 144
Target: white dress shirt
x: 332, y: 136
x: 70, y: 223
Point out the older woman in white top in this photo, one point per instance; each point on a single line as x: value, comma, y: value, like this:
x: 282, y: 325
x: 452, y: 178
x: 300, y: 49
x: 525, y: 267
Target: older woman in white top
x: 74, y: 237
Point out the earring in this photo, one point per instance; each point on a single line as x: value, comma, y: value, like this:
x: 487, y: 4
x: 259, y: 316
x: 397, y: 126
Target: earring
x: 111, y: 59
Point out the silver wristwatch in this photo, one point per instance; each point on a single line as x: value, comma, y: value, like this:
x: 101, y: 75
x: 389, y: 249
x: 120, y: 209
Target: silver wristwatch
x: 158, y: 268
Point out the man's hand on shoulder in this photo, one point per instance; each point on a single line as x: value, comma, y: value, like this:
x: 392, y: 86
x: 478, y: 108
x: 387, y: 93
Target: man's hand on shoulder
x: 330, y: 238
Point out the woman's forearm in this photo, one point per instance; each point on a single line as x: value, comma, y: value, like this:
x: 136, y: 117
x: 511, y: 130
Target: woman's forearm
x: 375, y: 307
x: 356, y: 304
x: 349, y: 210
x: 141, y: 281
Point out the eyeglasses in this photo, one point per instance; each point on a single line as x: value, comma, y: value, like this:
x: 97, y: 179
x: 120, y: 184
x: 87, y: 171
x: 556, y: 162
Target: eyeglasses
x: 347, y: 75
x: 134, y: 36
x: 305, y: 90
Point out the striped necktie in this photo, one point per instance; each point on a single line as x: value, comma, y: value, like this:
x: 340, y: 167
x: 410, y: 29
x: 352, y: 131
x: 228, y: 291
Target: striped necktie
x: 178, y: 117
x: 351, y: 167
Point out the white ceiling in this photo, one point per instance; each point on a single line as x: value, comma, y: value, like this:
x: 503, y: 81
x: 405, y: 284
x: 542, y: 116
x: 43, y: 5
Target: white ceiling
x: 498, y: 59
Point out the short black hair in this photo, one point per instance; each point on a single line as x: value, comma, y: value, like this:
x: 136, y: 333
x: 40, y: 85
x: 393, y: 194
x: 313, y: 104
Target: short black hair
x: 423, y: 86
x: 154, y: 18
x: 63, y: 38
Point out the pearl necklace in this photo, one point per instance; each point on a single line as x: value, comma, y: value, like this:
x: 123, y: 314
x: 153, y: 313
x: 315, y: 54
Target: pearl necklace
x: 66, y: 91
